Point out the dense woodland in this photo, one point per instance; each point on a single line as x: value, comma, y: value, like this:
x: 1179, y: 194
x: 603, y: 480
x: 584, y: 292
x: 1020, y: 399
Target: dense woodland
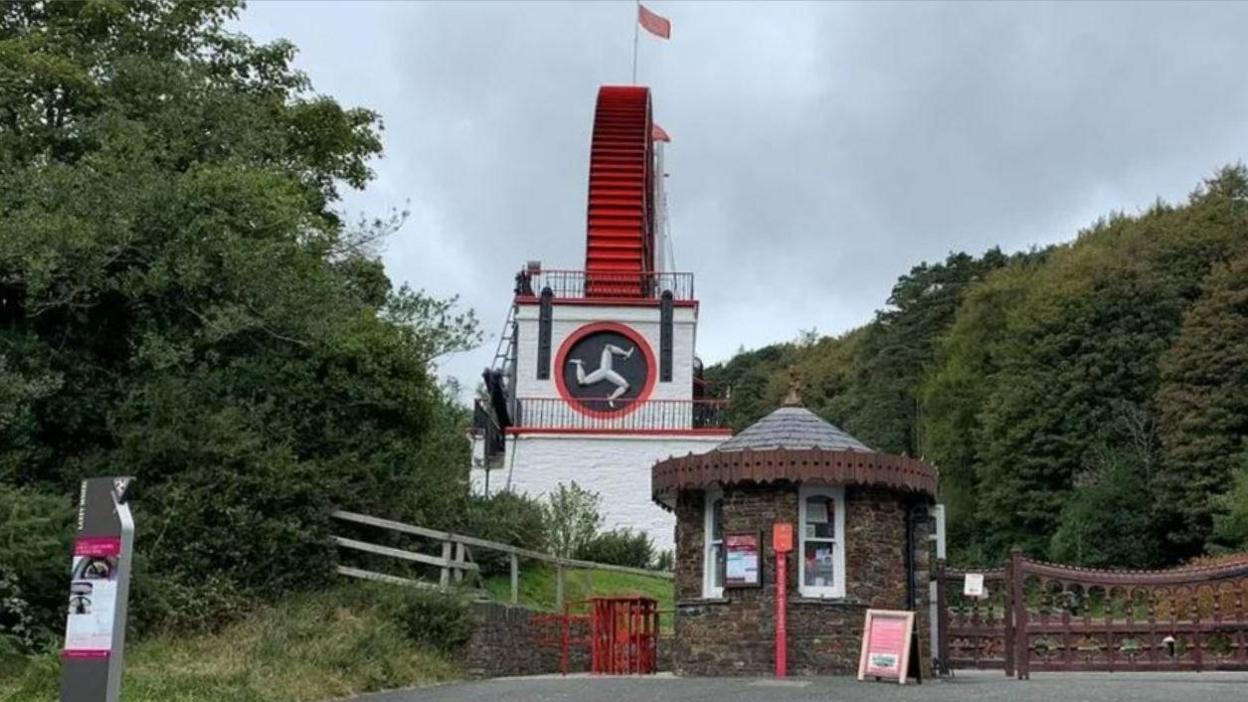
x: 1087, y: 402
x: 182, y: 301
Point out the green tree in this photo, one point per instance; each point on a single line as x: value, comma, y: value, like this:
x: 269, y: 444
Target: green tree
x: 181, y: 301
x: 1087, y: 336
x: 953, y: 397
x: 1107, y: 519
x: 572, y: 518
x: 881, y: 404
x: 1203, y: 405
x: 1230, y: 521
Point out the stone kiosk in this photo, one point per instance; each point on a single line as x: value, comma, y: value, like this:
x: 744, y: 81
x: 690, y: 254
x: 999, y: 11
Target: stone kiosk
x: 861, y: 540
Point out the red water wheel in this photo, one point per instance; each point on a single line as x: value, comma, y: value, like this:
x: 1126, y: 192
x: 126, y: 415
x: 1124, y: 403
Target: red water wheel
x: 619, y: 252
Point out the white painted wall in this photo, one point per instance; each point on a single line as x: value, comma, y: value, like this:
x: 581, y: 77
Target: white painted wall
x: 616, y: 466
x: 567, y: 318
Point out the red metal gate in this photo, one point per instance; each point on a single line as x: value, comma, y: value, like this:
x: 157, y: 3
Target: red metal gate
x: 1048, y: 617
x: 625, y: 635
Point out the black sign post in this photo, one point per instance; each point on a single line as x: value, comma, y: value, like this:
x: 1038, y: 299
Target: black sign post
x: 99, y: 588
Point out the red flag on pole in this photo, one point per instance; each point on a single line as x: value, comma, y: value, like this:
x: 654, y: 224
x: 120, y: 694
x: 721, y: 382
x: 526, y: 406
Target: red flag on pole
x: 657, y: 25
x: 657, y: 133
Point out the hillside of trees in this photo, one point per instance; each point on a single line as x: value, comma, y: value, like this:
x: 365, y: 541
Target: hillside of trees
x: 182, y: 301
x: 1087, y: 402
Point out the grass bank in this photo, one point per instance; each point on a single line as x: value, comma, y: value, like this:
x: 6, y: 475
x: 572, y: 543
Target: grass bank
x: 537, y: 586
x: 318, y: 646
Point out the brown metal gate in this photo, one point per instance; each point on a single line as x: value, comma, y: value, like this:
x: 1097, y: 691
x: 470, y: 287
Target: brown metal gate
x: 1048, y: 617
x: 971, y: 633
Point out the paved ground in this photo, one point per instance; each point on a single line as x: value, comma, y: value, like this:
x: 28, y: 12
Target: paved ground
x: 990, y: 687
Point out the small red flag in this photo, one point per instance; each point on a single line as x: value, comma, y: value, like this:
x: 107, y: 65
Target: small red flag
x: 657, y: 133
x: 657, y: 25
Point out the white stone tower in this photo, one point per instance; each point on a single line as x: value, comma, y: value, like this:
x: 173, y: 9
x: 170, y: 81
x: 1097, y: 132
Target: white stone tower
x: 596, y: 377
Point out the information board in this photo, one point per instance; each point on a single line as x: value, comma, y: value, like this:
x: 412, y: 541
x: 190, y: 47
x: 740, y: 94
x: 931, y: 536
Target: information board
x: 95, y: 622
x: 888, y: 643
x: 741, y: 560
x: 92, y: 597
x: 973, y: 586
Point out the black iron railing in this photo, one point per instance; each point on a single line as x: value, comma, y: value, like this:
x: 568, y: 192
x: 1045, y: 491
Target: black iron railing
x: 604, y: 284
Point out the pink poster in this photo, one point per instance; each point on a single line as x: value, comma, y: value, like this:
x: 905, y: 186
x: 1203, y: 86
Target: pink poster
x: 886, y: 643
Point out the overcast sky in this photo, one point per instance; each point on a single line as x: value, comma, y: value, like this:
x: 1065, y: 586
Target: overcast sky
x: 819, y: 150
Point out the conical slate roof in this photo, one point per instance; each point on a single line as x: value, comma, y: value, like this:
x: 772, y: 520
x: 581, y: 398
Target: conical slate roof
x: 792, y: 428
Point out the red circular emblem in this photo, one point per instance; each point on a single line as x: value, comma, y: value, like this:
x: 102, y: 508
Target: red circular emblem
x: 605, y: 370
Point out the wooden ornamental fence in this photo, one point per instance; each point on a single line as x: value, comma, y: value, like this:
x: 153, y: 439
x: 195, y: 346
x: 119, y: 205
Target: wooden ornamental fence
x: 1040, y: 616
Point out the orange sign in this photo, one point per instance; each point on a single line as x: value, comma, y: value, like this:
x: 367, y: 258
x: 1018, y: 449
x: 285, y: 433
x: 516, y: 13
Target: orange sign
x: 887, y: 646
x: 782, y: 537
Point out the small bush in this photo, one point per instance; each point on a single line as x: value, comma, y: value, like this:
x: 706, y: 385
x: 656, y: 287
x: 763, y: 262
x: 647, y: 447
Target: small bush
x: 35, y: 533
x: 512, y: 519
x: 439, y: 620
x: 623, y: 547
x: 17, y: 624
x: 572, y: 518
x: 665, y: 560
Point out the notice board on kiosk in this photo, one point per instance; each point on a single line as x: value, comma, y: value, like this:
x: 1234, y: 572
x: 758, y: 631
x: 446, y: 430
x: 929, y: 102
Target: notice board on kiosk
x: 742, y: 560
x: 889, y: 647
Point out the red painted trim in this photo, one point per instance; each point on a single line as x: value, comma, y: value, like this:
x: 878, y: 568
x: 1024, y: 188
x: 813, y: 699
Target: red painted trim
x: 72, y: 654
x: 604, y: 301
x: 561, y: 359
x: 637, y: 432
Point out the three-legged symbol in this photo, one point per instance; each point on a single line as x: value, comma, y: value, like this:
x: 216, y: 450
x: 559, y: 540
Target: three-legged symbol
x: 605, y: 371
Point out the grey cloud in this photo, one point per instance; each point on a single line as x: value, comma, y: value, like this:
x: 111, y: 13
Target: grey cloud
x: 820, y: 150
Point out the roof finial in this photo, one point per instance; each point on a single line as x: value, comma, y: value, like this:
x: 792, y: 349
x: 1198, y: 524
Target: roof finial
x: 794, y: 396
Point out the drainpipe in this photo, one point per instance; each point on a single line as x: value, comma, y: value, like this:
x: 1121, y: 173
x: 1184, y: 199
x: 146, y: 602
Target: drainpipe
x: 909, y: 555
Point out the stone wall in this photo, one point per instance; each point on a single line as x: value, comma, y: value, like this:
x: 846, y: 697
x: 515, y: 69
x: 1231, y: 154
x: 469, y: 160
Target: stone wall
x: 735, y: 635
x: 506, y: 642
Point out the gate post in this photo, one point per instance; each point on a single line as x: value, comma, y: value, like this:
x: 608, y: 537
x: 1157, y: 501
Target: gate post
x: 1007, y: 616
x: 942, y: 622
x: 1017, y: 649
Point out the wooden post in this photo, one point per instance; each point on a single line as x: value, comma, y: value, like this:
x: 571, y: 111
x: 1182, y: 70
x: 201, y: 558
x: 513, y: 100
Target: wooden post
x: 559, y: 584
x: 515, y: 579
x: 444, y: 579
x: 1016, y: 623
x: 460, y: 555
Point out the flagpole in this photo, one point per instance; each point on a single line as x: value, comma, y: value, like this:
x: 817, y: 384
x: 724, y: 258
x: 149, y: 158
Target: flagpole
x: 636, y: 28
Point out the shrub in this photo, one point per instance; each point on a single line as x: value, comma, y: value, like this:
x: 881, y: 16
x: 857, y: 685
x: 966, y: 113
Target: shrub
x: 17, y: 626
x: 35, y: 534
x: 665, y: 560
x: 623, y: 547
x: 506, y: 517
x: 440, y: 620
x: 572, y: 518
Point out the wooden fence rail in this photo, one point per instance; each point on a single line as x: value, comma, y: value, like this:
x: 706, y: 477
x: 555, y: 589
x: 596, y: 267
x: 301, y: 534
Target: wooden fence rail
x: 454, y: 560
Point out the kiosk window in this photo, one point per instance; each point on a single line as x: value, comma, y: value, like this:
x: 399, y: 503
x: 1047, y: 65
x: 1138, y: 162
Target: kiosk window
x: 822, y: 541
x: 713, y: 559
